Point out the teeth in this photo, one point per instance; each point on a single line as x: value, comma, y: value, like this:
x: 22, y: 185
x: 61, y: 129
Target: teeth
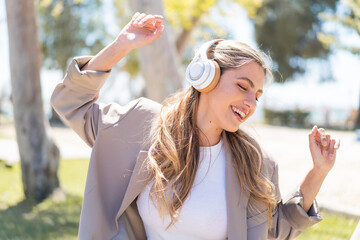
x: 239, y: 112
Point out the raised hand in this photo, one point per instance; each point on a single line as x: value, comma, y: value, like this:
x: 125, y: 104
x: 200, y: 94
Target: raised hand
x: 323, y: 152
x: 323, y: 149
x: 141, y: 30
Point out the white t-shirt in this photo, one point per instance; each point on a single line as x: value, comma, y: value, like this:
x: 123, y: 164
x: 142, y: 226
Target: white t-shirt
x: 203, y: 214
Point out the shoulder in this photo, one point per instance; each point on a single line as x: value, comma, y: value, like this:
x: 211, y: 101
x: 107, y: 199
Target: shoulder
x: 145, y: 110
x: 146, y: 105
x: 140, y: 109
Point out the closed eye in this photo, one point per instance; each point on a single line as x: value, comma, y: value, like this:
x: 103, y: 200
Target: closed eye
x: 245, y: 89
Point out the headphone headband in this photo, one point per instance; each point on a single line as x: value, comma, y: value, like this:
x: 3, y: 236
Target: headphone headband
x: 202, y: 52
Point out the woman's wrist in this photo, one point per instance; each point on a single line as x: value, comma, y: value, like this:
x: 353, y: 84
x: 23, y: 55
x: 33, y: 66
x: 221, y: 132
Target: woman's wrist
x: 122, y: 44
x: 126, y: 41
x: 319, y: 171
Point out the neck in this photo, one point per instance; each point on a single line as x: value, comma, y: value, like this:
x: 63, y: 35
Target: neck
x: 210, y: 133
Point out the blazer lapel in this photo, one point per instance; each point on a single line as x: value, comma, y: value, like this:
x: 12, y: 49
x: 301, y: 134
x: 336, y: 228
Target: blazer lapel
x: 236, y: 200
x: 138, y: 181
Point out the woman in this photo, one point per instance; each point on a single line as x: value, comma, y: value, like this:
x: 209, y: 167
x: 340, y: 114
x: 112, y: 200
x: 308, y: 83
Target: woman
x: 184, y: 170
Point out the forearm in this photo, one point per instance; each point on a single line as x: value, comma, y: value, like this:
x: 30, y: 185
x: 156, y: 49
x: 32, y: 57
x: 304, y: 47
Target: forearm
x: 310, y: 187
x: 140, y: 31
x: 109, y: 56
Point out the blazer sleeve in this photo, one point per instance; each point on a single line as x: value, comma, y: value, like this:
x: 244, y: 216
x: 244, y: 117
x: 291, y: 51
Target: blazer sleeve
x: 289, y: 218
x: 74, y: 100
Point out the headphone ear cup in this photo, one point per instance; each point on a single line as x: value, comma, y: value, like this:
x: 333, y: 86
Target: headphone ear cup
x: 215, y: 79
x: 203, y: 73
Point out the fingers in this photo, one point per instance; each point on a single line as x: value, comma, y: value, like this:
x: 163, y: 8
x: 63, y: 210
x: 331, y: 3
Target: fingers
x: 332, y: 149
x: 325, y: 138
x: 159, y: 17
x: 324, y: 142
x: 135, y: 16
x: 153, y: 18
x: 159, y: 30
x: 312, y: 137
x: 337, y: 144
x: 147, y: 19
x: 140, y: 17
x: 159, y: 21
x: 151, y: 22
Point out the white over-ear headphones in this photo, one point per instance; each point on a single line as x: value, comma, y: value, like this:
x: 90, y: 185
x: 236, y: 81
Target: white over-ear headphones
x: 203, y: 73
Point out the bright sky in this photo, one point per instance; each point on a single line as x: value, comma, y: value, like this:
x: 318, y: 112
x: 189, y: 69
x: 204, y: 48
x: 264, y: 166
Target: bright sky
x: 305, y: 92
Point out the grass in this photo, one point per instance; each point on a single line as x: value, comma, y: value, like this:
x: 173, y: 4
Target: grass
x: 334, y: 226
x: 4, y: 124
x: 4, y: 136
x: 58, y: 216
x: 55, y: 218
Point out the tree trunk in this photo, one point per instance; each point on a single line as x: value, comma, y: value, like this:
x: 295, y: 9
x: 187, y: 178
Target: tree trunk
x: 55, y: 119
x: 159, y: 61
x: 185, y: 35
x: 39, y: 155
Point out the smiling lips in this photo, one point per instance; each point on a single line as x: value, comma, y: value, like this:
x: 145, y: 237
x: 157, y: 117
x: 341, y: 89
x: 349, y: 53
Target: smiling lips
x: 240, y: 114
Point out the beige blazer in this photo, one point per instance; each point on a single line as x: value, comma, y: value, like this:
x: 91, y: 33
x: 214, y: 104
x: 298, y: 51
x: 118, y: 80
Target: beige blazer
x: 118, y: 136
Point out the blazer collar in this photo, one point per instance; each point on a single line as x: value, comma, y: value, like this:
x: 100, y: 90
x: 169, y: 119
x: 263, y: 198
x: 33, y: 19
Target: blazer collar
x: 138, y: 181
x: 236, y: 200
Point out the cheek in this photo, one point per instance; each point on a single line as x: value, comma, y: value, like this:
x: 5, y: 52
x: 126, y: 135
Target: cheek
x: 224, y: 92
x: 221, y: 100
x: 217, y: 105
x: 252, y: 111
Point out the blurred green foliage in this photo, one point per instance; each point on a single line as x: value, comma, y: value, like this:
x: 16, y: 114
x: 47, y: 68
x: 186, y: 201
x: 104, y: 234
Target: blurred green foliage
x: 69, y: 28
x: 288, y: 30
x: 296, y: 117
x: 349, y: 17
x: 183, y: 14
x: 189, y: 19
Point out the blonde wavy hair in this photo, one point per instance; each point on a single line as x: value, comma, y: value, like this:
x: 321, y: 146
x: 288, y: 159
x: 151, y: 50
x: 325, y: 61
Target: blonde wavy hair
x: 174, y: 153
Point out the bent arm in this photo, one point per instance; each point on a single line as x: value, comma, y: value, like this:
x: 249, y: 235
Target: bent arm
x: 290, y: 218
x: 74, y: 99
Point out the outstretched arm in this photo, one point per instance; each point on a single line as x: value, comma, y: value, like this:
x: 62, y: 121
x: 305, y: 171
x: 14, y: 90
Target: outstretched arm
x: 141, y: 30
x: 74, y: 99
x: 323, y: 152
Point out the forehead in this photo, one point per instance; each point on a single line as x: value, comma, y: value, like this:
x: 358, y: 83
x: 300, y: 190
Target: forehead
x: 251, y: 71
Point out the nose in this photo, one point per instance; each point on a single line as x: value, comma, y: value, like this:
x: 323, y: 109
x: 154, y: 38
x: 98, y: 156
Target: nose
x: 250, y: 101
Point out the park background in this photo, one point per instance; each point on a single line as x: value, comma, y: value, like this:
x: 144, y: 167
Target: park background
x: 315, y: 51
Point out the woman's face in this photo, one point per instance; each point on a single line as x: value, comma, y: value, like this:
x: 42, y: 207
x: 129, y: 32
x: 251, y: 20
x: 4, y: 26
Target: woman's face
x: 234, y: 98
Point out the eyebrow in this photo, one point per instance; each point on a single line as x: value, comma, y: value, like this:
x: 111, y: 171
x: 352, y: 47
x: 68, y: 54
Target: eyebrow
x: 250, y: 82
